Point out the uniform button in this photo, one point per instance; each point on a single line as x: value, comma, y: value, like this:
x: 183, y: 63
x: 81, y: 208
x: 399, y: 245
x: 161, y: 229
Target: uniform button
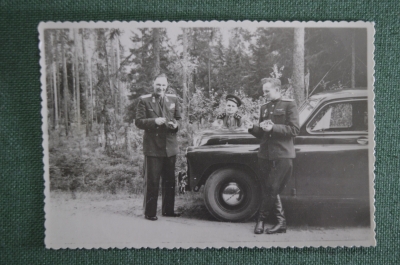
x: 271, y: 112
x: 156, y: 134
x: 272, y: 105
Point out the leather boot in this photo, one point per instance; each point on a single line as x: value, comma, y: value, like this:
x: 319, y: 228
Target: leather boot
x: 259, y: 229
x: 279, y: 213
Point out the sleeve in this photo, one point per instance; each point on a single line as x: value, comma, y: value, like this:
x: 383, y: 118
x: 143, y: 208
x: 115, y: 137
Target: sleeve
x: 177, y: 116
x: 141, y: 121
x: 256, y: 131
x: 291, y: 128
x: 240, y: 122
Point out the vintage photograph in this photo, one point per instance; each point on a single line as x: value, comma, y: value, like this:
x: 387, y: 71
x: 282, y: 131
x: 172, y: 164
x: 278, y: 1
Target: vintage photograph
x: 208, y: 134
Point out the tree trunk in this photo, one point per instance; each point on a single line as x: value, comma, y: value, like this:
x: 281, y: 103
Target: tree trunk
x: 108, y: 66
x: 185, y: 74
x: 298, y: 66
x: 58, y: 77
x: 74, y: 100
x: 50, y: 103
x: 91, y: 92
x: 117, y: 80
x: 307, y: 83
x: 96, y: 92
x: 156, y: 51
x: 55, y: 110
x: 127, y: 143
x: 77, y: 83
x: 107, y: 98
x: 54, y: 70
x: 65, y: 83
x: 85, y: 83
x: 113, y: 71
x: 91, y: 71
x: 194, y: 50
x: 353, y: 61
x: 209, y: 64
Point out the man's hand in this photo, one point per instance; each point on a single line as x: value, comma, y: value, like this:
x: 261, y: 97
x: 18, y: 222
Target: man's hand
x: 172, y: 125
x: 217, y: 124
x: 267, y: 125
x: 268, y: 128
x: 248, y: 124
x: 160, y: 121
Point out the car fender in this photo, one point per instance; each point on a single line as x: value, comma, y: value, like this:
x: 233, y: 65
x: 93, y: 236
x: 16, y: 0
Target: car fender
x: 204, y: 160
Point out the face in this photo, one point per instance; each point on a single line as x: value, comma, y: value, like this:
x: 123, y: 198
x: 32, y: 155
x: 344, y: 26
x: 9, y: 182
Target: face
x: 231, y: 107
x: 160, y: 86
x: 271, y: 92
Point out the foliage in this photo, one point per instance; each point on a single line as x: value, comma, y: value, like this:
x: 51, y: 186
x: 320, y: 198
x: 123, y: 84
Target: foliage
x: 201, y: 106
x: 81, y: 163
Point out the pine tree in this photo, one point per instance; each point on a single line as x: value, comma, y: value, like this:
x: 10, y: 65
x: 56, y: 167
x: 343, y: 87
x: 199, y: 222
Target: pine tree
x: 151, y: 57
x: 65, y: 82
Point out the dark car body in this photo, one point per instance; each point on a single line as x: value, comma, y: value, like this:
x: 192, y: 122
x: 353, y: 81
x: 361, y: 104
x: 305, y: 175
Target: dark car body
x: 331, y: 165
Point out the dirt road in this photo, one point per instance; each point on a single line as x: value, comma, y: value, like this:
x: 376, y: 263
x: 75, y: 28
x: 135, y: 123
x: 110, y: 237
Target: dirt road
x: 103, y: 221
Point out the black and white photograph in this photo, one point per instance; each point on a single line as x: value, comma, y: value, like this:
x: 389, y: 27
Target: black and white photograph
x: 208, y: 134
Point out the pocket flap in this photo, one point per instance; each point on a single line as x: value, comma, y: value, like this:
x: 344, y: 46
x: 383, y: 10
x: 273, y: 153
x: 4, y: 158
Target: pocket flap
x: 279, y: 112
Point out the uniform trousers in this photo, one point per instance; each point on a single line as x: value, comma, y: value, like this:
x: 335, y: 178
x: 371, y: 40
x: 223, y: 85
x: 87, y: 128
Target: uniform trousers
x: 154, y: 168
x: 274, y: 175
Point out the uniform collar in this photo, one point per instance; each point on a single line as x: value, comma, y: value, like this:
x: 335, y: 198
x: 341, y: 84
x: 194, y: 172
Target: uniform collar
x: 276, y: 100
x: 157, y: 96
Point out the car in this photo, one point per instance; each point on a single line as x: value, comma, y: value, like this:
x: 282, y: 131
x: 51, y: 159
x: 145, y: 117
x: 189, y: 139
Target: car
x: 330, y: 169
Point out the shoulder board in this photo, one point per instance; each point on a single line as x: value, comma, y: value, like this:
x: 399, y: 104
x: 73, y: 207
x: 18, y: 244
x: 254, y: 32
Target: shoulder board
x: 221, y: 116
x: 287, y: 99
x: 265, y: 103
x: 237, y: 116
x: 146, y: 96
x: 171, y: 95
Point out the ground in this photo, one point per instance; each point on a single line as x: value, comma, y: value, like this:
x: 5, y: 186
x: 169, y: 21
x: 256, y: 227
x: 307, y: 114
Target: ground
x: 86, y: 220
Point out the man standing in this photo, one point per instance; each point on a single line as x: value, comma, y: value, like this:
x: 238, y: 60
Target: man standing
x: 278, y: 125
x: 157, y: 115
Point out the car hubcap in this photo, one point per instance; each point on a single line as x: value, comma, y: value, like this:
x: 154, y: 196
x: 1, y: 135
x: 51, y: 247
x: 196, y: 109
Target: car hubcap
x: 232, y: 194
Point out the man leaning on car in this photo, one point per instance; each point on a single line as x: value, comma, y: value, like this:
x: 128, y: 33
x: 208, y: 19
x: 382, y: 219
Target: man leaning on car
x: 278, y: 125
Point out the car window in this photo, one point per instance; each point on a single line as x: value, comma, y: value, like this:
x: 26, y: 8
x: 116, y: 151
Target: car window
x: 340, y: 117
x: 307, y: 109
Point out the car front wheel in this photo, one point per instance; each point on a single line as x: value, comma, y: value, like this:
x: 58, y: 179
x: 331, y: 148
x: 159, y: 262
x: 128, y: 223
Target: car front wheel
x: 232, y: 195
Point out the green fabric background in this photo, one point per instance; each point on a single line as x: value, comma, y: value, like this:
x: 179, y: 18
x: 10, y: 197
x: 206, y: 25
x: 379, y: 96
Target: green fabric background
x: 21, y: 189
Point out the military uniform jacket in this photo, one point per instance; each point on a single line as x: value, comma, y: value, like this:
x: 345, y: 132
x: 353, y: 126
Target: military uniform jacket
x: 233, y: 121
x: 158, y: 140
x: 278, y: 143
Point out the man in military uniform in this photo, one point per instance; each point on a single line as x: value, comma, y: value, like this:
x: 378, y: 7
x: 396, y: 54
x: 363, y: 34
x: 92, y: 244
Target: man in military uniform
x: 230, y: 118
x: 278, y: 125
x: 157, y: 115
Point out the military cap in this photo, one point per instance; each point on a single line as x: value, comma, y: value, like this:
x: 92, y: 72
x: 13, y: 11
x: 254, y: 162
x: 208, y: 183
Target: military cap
x: 274, y: 81
x: 234, y: 99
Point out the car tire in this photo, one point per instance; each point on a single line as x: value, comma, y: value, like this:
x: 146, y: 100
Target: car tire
x: 232, y: 195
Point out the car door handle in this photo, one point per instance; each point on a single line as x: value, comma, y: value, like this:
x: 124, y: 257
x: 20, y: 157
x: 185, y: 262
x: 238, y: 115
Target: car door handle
x: 362, y: 140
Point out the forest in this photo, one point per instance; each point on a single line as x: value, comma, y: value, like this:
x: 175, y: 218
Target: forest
x: 94, y: 77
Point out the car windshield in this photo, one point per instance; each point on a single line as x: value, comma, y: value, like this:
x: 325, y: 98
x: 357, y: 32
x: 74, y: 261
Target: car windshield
x: 307, y: 108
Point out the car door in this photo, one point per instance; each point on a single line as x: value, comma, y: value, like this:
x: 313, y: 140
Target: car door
x: 332, y: 153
